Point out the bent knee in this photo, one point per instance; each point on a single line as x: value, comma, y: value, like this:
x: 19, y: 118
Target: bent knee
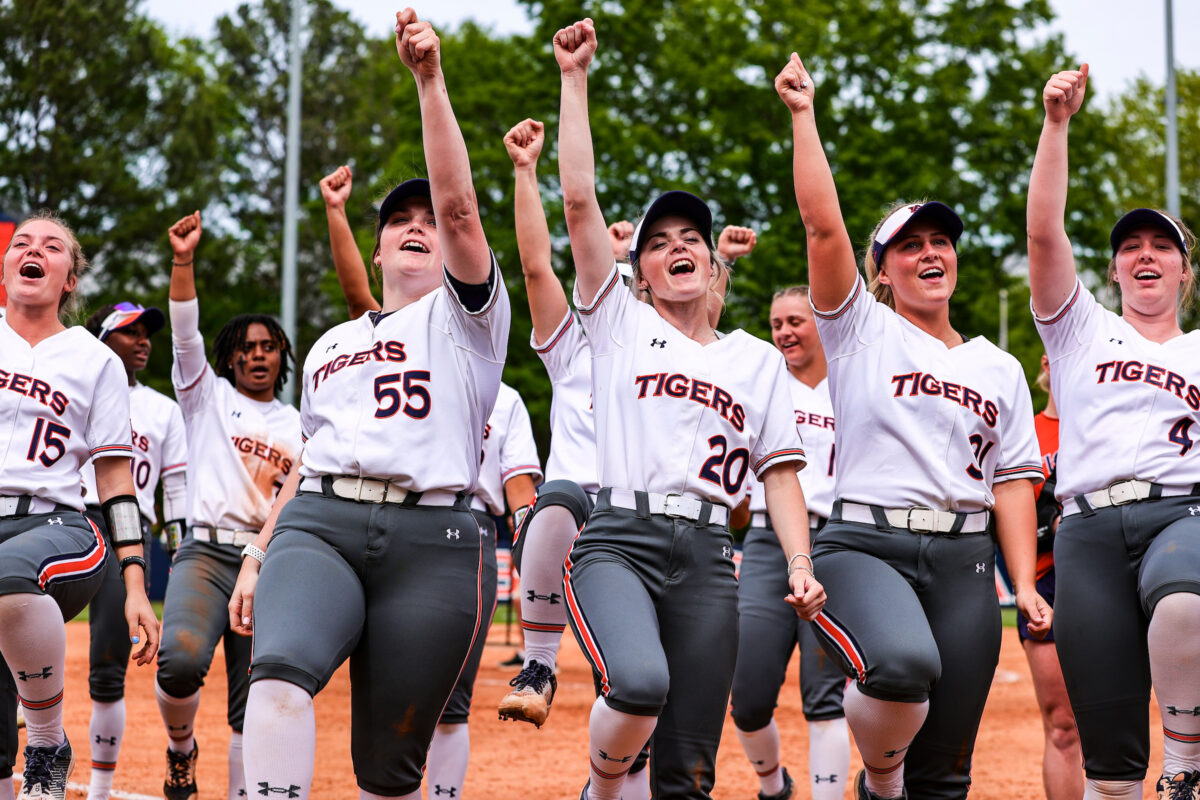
x: 643, y: 693
x: 905, y: 676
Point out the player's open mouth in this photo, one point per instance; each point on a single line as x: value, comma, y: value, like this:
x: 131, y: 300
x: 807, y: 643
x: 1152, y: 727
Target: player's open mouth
x: 684, y: 266
x: 259, y: 372
x: 931, y: 274
x: 31, y: 270
x: 413, y: 246
x: 1146, y: 275
x: 788, y: 345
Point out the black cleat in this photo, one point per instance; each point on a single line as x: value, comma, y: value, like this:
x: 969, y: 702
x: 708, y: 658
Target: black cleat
x: 181, y: 775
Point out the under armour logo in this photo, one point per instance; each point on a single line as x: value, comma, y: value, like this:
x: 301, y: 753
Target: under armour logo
x: 45, y: 672
x: 894, y: 753
x: 265, y: 789
x: 1191, y: 712
x: 55, y: 521
x: 727, y: 551
x: 532, y: 596
x: 607, y: 757
x: 980, y: 568
x: 236, y: 414
x: 1194, y: 510
x: 241, y: 792
x: 179, y: 728
x: 449, y: 791
x: 109, y: 740
x: 331, y: 347
x: 452, y: 533
x: 659, y: 343
x: 819, y: 778
x: 1117, y: 341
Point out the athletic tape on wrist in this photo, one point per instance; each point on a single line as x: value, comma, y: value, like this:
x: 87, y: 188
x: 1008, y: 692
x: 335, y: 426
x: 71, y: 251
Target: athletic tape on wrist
x: 124, y: 519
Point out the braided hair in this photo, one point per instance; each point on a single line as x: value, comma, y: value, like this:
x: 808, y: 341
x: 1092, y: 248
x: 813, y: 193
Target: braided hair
x: 231, y: 338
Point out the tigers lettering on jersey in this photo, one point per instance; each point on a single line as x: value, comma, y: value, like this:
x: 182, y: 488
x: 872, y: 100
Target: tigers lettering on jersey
x: 816, y: 420
x: 380, y: 351
x: 1139, y: 372
x: 683, y: 387
x: 31, y: 387
x: 245, y: 444
x: 924, y: 383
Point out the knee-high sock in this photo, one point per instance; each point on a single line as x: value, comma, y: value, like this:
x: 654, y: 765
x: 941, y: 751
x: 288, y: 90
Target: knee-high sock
x: 883, y: 730
x: 7, y: 790
x: 105, y: 732
x: 548, y: 537
x: 615, y: 739
x: 762, y: 748
x: 828, y: 758
x: 1174, y: 644
x: 179, y: 715
x: 1112, y: 790
x: 280, y: 744
x: 637, y: 785
x: 33, y: 640
x: 237, y: 769
x: 446, y: 767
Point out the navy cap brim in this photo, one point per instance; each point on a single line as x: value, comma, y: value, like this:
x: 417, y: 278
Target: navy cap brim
x: 414, y: 187
x: 1143, y: 217
x: 685, y: 204
x: 940, y: 213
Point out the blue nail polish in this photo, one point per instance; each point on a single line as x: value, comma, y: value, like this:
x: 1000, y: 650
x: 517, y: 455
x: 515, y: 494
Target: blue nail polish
x: 134, y: 639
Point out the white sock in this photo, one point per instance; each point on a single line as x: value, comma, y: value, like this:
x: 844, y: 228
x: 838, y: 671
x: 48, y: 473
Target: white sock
x: 883, y: 730
x: 237, y: 769
x: 179, y: 715
x: 33, y: 640
x: 548, y: 539
x: 7, y: 790
x: 828, y: 758
x: 280, y: 744
x: 619, y: 737
x: 762, y: 748
x: 446, y: 767
x: 105, y: 732
x: 1112, y: 790
x: 1174, y: 645
x: 637, y: 785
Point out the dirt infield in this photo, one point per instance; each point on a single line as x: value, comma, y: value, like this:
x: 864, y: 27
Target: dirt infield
x: 511, y: 760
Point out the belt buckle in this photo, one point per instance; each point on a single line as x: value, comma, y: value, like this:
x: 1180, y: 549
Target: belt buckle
x: 925, y: 524
x: 367, y: 490
x: 676, y: 506
x: 1121, y: 493
x: 8, y: 506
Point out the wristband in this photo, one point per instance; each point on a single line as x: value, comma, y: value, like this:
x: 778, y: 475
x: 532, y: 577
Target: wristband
x: 175, y: 263
x: 254, y: 552
x: 807, y: 569
x: 124, y: 519
x: 127, y: 560
x: 519, y: 516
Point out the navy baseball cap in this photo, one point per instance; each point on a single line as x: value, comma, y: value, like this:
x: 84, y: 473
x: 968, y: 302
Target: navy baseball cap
x: 684, y: 204
x: 1141, y: 217
x: 414, y: 187
x: 125, y: 314
x: 902, y: 217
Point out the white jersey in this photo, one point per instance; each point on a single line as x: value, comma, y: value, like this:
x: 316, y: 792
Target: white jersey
x: 675, y: 416
x: 508, y: 449
x: 919, y: 423
x: 814, y: 419
x: 240, y: 450
x: 1129, y: 406
x: 159, y: 447
x: 568, y: 360
x: 62, y: 402
x: 405, y: 396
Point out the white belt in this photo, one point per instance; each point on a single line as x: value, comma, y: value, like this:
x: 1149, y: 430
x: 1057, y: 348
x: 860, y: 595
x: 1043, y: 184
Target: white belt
x: 1121, y: 493
x: 209, y: 533
x: 670, y: 505
x: 760, y: 519
x: 374, y: 490
x: 918, y: 519
x: 11, y: 506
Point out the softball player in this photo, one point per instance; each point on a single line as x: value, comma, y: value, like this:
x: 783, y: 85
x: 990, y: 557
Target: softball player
x: 1126, y: 553
x: 242, y: 445
x: 650, y: 581
x: 768, y: 631
x: 64, y: 398
x: 159, y: 450
x: 929, y: 445
x: 381, y: 558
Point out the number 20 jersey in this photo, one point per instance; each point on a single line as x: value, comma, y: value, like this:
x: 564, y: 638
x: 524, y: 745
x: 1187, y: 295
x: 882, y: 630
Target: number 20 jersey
x: 1129, y: 406
x: 919, y: 423
x: 675, y: 416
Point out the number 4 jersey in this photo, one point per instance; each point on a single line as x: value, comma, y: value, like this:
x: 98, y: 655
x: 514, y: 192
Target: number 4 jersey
x: 919, y: 423
x: 61, y: 402
x: 675, y: 416
x: 1128, y: 406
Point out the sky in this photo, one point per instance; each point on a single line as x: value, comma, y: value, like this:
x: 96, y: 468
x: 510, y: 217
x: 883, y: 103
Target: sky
x: 1119, y: 43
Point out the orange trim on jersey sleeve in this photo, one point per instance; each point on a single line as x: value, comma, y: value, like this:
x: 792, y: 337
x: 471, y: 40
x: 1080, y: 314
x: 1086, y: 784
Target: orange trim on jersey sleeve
x: 192, y: 385
x: 780, y: 455
x: 845, y: 306
x: 106, y: 450
x: 616, y: 278
x: 554, y: 339
x: 1062, y: 311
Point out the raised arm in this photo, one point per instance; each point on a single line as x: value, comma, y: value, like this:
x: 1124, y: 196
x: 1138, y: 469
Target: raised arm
x: 184, y: 236
x: 1051, y: 261
x: 831, y: 267
x: 454, y: 203
x: 591, y: 250
x: 347, y: 261
x: 186, y: 341
x: 736, y: 242
x: 620, y: 237
x: 547, y: 300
